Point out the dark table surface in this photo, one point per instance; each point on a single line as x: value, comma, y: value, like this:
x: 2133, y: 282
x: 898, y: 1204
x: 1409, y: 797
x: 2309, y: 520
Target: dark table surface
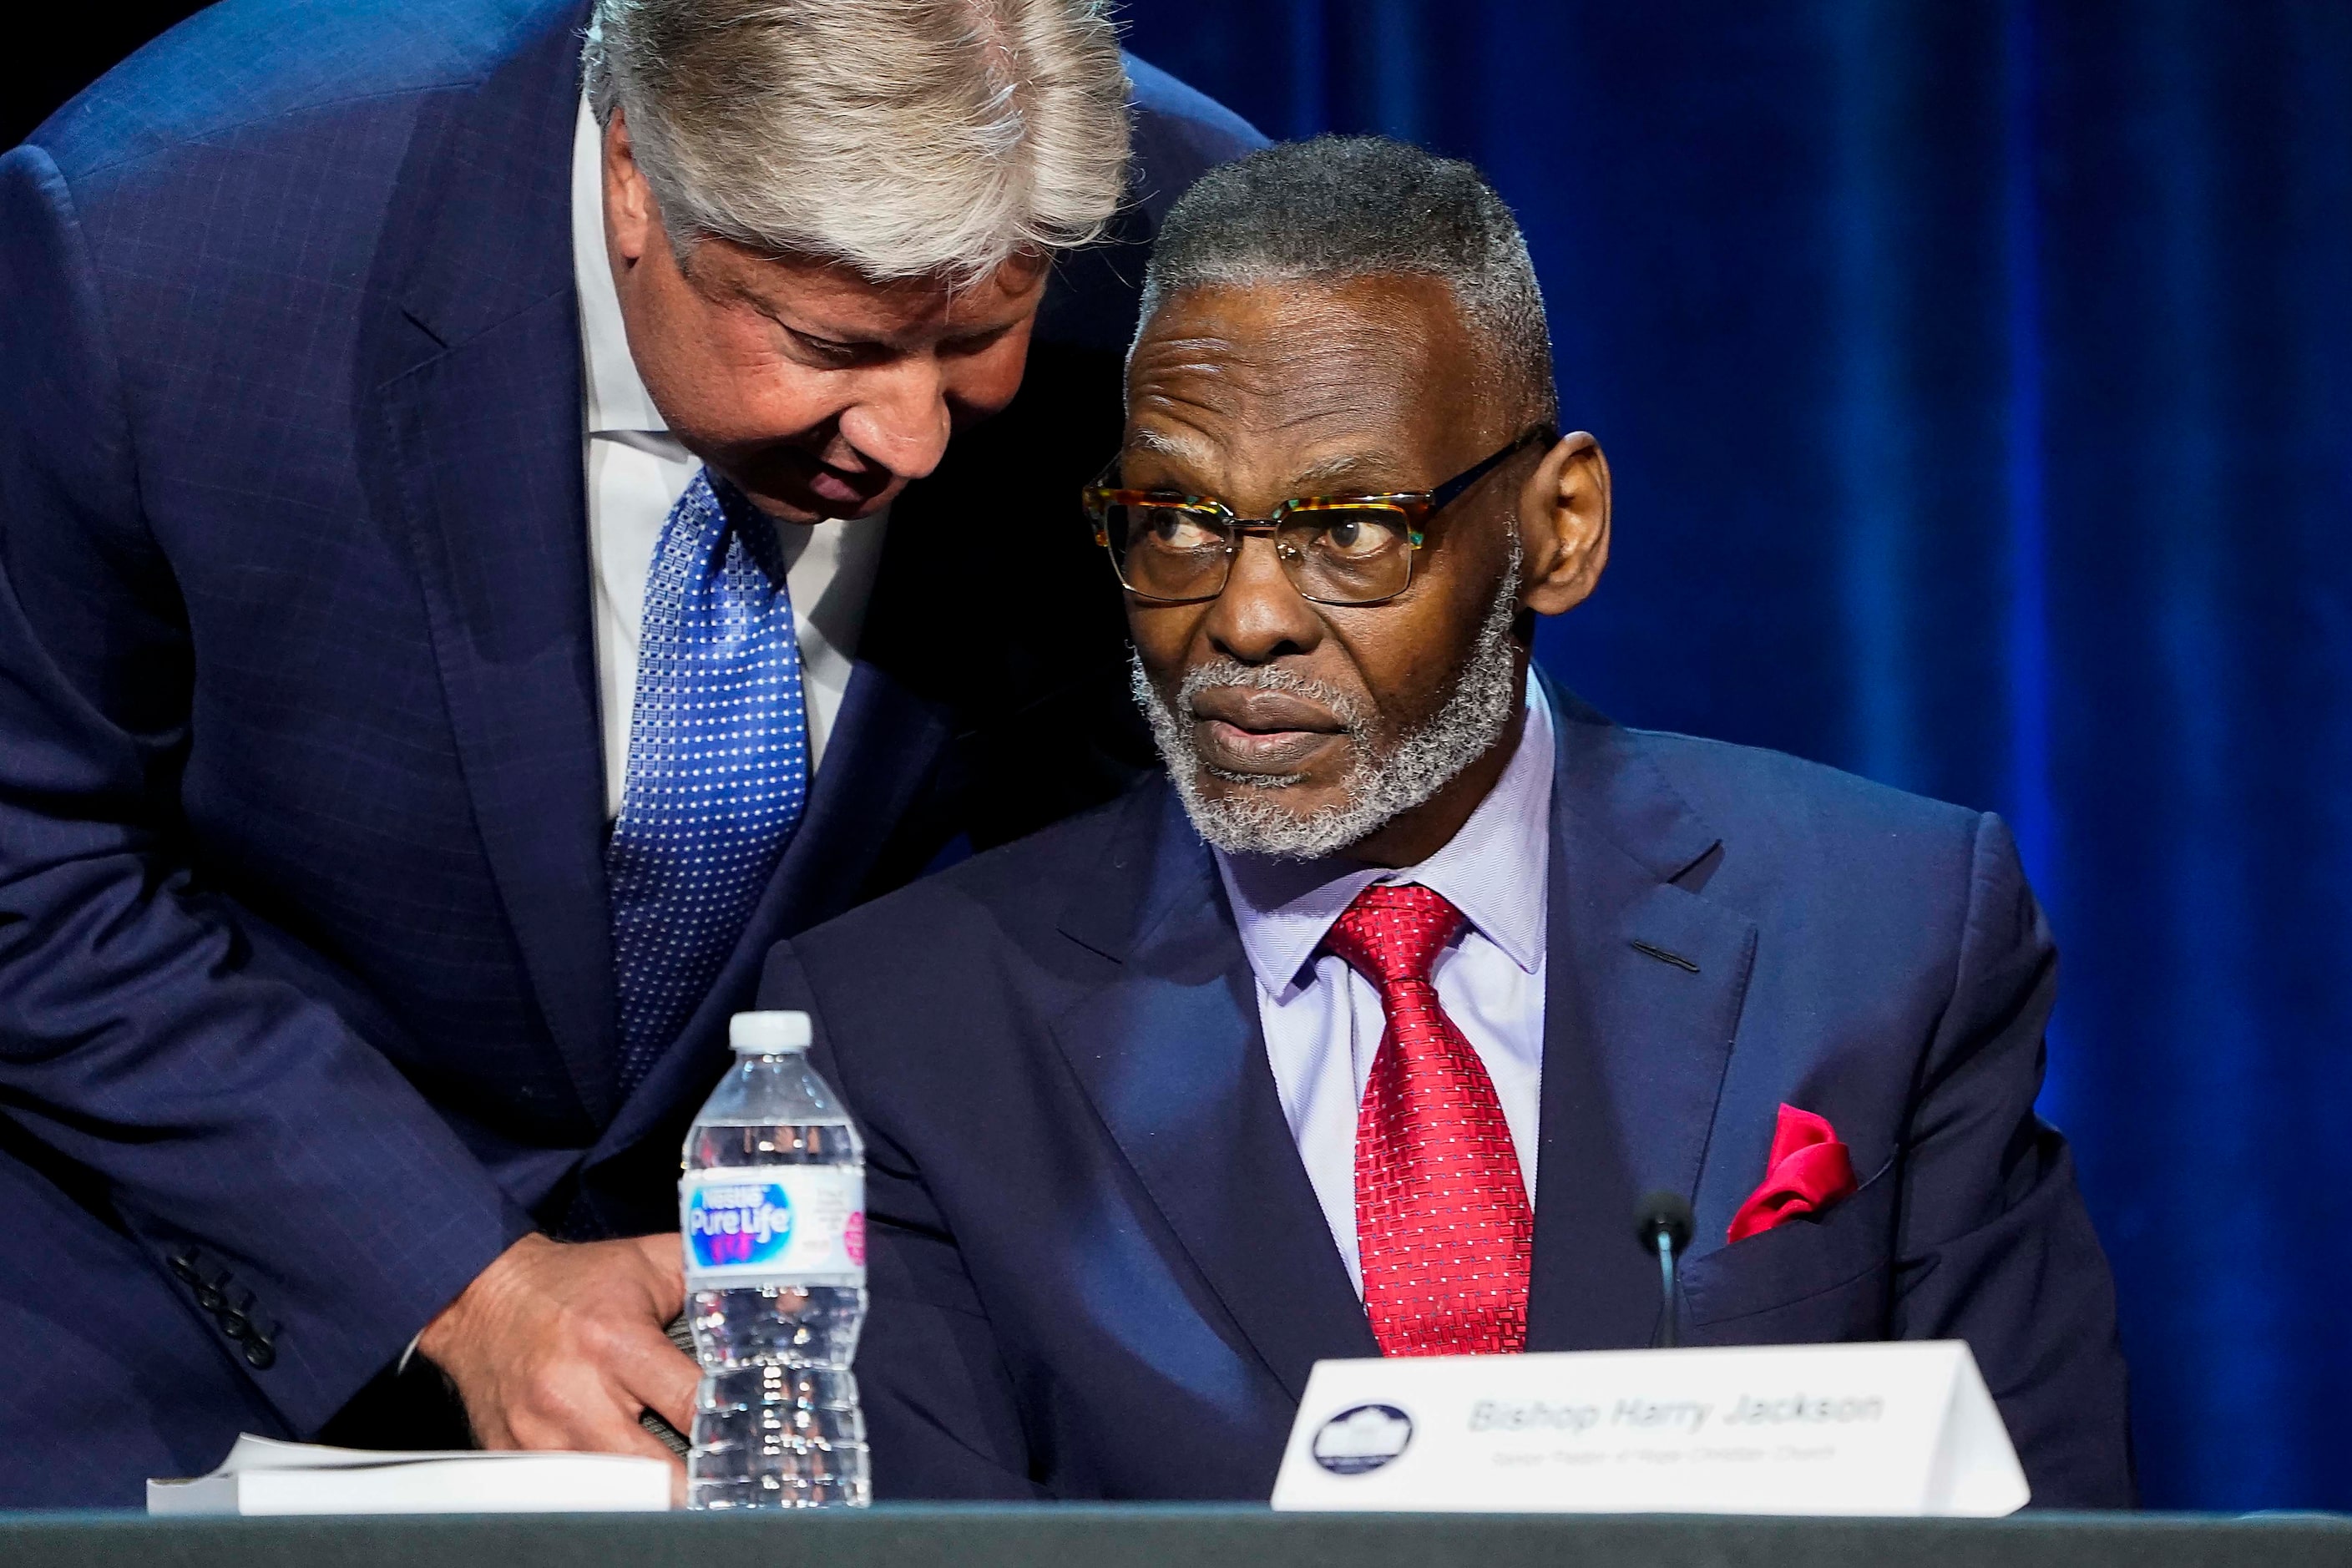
x: 1163, y: 1536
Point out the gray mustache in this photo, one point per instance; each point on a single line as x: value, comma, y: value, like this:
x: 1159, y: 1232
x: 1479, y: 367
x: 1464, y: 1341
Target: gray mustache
x: 1224, y: 672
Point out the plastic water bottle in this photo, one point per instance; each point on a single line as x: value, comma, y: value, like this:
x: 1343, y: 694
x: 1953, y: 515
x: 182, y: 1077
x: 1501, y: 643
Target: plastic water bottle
x: 772, y: 1213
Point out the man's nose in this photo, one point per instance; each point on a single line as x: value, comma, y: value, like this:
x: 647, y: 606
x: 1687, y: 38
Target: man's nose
x: 901, y: 417
x: 1260, y: 615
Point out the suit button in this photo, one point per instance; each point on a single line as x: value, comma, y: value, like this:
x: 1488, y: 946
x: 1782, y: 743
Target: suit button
x: 185, y: 1267
x: 260, y: 1354
x: 235, y: 1324
x: 210, y: 1298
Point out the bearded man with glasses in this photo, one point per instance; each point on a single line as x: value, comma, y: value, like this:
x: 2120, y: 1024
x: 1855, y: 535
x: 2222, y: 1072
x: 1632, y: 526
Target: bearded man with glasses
x: 1261, y: 1064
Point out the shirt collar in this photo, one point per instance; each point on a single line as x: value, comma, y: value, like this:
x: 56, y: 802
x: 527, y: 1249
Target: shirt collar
x: 617, y: 399
x: 1495, y: 871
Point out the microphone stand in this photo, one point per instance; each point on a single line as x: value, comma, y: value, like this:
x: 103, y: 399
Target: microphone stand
x: 1662, y: 1222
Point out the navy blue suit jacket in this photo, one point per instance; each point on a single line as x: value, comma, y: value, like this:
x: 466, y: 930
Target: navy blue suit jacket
x: 306, y: 989
x: 1099, y: 1269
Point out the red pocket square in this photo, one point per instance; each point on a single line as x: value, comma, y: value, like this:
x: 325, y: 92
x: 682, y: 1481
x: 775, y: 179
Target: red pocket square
x: 1810, y: 1170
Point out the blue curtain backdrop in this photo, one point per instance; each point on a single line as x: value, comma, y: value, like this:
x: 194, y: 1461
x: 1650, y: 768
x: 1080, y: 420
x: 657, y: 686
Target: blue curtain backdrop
x: 1978, y: 380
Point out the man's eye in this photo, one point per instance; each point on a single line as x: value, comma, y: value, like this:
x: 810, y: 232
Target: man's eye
x: 1358, y: 533
x: 830, y: 352
x: 1172, y: 528
x: 978, y: 344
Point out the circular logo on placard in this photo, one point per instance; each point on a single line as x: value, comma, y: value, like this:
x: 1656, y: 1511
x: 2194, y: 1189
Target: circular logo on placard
x: 750, y: 1223
x: 1362, y: 1438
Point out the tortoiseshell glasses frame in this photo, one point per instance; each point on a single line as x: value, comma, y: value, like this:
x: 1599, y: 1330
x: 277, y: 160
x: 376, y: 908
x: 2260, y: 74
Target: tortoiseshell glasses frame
x: 1175, y: 548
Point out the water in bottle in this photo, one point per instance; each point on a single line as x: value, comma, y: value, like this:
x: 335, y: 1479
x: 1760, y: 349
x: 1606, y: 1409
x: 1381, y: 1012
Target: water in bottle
x: 773, y: 1212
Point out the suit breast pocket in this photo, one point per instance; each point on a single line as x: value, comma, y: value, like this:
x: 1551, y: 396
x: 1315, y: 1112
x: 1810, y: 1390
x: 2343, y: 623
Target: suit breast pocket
x: 1806, y: 1281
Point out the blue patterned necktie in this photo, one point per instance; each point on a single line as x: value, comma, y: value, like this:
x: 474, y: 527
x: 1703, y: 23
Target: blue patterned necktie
x: 717, y: 762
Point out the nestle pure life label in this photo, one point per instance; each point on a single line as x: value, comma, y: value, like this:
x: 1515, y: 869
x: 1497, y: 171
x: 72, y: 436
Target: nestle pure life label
x: 773, y: 1224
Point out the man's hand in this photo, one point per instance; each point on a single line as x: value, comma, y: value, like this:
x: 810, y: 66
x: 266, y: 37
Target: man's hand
x: 558, y: 1345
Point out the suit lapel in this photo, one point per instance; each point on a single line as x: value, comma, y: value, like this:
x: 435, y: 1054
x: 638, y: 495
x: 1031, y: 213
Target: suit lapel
x: 1172, y: 1057
x: 1635, y: 1047
x: 1635, y: 1044
x: 481, y: 404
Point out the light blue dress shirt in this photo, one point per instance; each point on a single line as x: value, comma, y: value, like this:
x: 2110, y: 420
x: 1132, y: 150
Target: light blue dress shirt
x: 1323, y: 1021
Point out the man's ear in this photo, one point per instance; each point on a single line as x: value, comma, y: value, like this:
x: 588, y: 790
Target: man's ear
x: 632, y: 217
x: 1564, y: 525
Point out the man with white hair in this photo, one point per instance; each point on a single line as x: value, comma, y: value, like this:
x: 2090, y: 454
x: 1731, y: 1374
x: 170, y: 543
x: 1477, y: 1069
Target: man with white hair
x: 1365, y: 1031
x: 482, y: 556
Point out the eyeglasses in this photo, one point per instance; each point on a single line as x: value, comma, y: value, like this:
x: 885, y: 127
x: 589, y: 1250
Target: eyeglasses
x: 1175, y: 548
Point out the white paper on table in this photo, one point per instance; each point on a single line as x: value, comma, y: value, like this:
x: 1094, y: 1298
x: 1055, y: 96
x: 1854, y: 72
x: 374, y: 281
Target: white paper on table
x: 264, y: 1476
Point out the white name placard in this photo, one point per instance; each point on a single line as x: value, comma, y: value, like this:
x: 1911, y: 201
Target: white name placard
x: 1904, y: 1428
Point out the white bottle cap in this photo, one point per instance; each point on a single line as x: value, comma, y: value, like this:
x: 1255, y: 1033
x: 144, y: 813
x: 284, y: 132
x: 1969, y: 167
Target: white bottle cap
x: 768, y: 1034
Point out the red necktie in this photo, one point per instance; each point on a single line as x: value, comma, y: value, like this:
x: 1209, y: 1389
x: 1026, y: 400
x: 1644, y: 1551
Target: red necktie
x: 1442, y: 1217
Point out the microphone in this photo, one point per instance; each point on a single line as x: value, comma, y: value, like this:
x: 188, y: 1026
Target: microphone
x: 1662, y: 1224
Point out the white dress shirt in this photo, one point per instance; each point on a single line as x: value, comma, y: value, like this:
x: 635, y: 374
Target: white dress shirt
x: 1323, y: 1020
x: 636, y: 472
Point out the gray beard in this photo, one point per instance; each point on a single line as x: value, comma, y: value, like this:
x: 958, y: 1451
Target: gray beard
x: 1383, y: 784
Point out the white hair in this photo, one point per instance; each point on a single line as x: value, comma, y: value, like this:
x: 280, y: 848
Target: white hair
x: 1386, y: 781
x: 902, y: 138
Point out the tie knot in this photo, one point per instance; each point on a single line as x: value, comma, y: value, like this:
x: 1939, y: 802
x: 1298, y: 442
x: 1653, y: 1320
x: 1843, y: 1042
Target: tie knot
x: 1392, y: 934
